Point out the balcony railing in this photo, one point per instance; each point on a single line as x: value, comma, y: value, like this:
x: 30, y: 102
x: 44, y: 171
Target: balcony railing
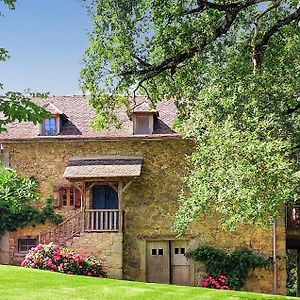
x: 100, y: 220
x: 293, y: 217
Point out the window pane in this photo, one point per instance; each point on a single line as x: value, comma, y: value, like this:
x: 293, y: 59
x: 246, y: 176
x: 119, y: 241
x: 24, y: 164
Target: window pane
x: 50, y: 126
x: 154, y: 252
x: 24, y: 245
x: 64, y: 196
x: 142, y: 125
x: 160, y: 251
x: 69, y: 197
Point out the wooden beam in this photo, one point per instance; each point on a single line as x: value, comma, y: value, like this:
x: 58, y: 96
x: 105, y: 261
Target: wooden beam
x: 115, y: 188
x: 127, y: 185
x: 120, y: 197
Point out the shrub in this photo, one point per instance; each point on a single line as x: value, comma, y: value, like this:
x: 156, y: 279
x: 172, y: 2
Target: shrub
x: 235, y: 266
x: 220, y: 283
x: 55, y: 258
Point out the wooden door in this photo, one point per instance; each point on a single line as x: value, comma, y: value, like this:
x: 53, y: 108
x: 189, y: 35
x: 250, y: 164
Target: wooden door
x: 180, y: 265
x: 104, y: 197
x: 158, y: 262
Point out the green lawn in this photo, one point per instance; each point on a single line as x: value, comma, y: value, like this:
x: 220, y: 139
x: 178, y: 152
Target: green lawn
x: 19, y: 283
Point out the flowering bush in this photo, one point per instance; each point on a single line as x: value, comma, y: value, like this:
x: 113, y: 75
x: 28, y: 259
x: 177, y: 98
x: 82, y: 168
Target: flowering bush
x: 219, y: 283
x: 55, y: 258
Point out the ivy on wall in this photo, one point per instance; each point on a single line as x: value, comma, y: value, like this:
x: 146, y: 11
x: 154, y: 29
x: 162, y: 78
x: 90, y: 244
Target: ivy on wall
x: 235, y: 266
x: 18, y: 202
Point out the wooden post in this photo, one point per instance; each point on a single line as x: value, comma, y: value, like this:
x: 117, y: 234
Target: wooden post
x: 120, y: 196
x: 298, y: 272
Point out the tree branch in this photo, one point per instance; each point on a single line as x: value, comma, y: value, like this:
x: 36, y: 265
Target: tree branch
x: 260, y: 48
x: 256, y: 30
x: 171, y: 63
x: 202, y: 5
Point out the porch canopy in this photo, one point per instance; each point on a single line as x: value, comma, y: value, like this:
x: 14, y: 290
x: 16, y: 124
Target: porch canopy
x: 103, y: 167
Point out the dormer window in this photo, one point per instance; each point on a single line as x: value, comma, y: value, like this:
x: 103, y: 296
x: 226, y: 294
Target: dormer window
x: 143, y: 118
x: 143, y: 123
x: 50, y: 126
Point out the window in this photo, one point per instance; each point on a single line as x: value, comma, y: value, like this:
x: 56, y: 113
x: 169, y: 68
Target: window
x: 24, y: 245
x: 179, y: 250
x: 69, y: 197
x: 160, y: 251
x: 50, y: 126
x: 143, y: 123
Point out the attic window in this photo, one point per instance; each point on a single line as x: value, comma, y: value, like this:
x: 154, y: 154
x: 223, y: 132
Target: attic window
x: 143, y: 124
x: 50, y: 126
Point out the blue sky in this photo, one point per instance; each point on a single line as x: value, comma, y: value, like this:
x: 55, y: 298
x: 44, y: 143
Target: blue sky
x: 46, y: 40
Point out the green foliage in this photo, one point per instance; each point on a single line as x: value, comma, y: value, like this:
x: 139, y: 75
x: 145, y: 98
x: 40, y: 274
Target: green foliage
x: 233, y: 71
x: 17, y: 107
x: 235, y: 266
x: 291, y: 267
x: 18, y: 203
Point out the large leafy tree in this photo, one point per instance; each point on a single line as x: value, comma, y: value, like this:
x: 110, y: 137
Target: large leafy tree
x: 233, y: 70
x: 15, y: 106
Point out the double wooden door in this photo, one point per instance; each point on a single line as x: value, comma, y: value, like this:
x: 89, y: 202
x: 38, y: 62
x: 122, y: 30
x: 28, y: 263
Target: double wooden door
x: 167, y: 263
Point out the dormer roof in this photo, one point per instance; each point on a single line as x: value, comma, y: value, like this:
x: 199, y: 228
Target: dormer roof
x: 144, y: 107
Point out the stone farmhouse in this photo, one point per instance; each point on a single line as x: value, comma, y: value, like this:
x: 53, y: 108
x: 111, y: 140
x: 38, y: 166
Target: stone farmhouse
x: 117, y: 190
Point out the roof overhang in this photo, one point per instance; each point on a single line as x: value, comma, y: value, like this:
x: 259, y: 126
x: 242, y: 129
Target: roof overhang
x: 103, y: 167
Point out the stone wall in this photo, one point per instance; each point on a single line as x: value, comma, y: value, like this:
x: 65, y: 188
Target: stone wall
x: 149, y: 202
x: 105, y: 246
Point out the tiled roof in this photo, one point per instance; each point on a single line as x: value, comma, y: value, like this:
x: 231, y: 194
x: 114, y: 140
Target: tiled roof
x: 78, y: 116
x: 99, y: 167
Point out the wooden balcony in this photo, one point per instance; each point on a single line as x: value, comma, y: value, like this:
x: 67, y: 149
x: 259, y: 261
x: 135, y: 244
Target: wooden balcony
x: 293, y: 217
x: 102, y: 220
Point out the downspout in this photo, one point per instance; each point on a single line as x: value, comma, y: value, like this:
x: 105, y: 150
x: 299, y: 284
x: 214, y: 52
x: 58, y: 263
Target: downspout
x: 274, y: 258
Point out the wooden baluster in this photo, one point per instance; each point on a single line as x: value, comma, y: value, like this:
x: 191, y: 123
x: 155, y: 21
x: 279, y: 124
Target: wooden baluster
x: 105, y: 220
x: 97, y: 220
x: 93, y: 225
x: 101, y: 220
x: 110, y: 214
x: 115, y: 220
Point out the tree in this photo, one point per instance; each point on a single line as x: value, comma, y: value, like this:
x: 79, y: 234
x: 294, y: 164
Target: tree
x: 14, y: 106
x: 18, y: 203
x: 232, y: 68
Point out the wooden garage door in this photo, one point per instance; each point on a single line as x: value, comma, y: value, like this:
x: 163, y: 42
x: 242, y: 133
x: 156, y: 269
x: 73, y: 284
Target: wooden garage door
x: 158, y: 262
x: 180, y: 266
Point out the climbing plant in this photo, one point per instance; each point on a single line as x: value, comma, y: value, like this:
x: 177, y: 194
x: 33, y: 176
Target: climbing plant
x: 235, y: 266
x: 18, y: 202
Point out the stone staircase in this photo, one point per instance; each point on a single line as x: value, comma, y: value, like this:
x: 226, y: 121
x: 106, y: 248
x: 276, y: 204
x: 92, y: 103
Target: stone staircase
x: 64, y: 232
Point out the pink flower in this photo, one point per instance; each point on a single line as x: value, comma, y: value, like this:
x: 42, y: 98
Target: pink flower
x: 39, y: 247
x: 89, y: 273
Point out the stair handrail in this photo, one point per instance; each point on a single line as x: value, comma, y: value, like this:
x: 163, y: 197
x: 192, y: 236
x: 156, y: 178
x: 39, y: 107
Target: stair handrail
x: 62, y: 233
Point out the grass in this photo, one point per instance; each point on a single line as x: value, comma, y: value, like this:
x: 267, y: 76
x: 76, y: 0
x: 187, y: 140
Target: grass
x: 19, y: 283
